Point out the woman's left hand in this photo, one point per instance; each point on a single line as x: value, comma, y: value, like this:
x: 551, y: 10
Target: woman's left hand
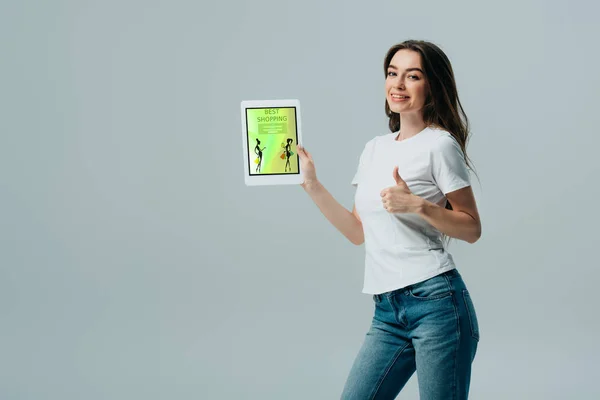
x: 399, y: 198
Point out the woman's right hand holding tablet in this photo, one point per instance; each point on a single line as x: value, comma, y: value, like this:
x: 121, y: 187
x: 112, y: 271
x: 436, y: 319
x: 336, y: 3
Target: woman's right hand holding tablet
x: 307, y: 166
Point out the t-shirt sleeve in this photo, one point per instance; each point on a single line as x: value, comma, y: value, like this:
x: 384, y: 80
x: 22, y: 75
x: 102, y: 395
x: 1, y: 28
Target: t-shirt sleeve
x: 449, y: 169
x: 363, y: 161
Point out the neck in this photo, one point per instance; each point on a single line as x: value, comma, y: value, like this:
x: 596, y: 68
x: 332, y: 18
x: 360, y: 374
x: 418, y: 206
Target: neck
x: 410, y: 125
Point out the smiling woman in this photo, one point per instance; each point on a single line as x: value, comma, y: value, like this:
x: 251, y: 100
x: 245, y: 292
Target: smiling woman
x: 405, y: 87
x: 413, y: 190
x: 422, y: 73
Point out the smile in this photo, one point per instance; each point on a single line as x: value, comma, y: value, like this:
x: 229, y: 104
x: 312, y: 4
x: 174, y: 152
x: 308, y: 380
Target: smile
x: 397, y: 97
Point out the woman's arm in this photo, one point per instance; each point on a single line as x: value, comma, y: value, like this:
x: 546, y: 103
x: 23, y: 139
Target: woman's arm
x: 462, y: 222
x: 348, y: 223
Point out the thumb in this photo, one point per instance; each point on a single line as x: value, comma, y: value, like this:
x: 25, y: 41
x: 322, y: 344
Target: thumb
x: 397, y: 177
x: 302, y: 150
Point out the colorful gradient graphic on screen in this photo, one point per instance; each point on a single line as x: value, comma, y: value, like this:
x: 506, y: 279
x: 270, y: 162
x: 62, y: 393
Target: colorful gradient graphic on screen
x: 272, y: 141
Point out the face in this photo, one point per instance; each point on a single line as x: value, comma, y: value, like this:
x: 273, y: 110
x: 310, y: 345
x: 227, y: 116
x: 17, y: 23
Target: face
x: 405, y: 85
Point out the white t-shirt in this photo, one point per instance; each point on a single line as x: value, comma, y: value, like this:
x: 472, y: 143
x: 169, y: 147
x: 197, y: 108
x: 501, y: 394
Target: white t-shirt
x: 403, y: 249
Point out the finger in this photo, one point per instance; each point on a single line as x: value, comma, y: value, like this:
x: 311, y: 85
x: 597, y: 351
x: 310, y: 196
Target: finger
x: 397, y: 177
x: 306, y: 153
x: 302, y: 152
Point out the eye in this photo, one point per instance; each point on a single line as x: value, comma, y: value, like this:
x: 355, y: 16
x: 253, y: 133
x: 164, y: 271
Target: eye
x: 391, y: 73
x: 415, y: 77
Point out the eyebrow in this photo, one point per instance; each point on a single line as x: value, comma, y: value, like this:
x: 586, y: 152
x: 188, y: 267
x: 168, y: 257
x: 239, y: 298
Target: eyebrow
x: 408, y: 69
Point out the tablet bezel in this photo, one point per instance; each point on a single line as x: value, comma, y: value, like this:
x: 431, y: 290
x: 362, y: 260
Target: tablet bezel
x: 259, y: 180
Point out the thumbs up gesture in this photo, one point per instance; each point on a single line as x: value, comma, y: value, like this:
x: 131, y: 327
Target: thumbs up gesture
x: 399, y: 198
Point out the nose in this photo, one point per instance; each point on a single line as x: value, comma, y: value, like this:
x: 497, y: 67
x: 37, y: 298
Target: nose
x: 399, y: 83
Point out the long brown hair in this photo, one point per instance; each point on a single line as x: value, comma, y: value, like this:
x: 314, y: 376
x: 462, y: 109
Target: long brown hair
x: 442, y: 107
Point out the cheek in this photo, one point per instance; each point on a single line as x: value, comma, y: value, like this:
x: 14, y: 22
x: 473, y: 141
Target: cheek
x: 420, y: 93
x: 387, y: 85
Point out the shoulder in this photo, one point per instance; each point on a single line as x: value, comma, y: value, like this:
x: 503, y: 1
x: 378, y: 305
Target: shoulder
x: 443, y: 140
x: 371, y: 147
x: 380, y: 139
x: 440, y: 134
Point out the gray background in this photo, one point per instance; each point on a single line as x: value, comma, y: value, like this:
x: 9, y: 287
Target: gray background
x: 135, y: 263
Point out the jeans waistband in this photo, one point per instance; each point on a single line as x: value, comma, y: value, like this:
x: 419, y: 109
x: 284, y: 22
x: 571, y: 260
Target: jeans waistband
x: 452, y: 273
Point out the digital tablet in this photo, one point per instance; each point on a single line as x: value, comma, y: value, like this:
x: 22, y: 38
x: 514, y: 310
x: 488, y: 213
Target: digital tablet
x: 270, y: 134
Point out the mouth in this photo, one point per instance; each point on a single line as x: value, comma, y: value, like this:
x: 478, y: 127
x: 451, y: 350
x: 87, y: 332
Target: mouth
x: 398, y: 97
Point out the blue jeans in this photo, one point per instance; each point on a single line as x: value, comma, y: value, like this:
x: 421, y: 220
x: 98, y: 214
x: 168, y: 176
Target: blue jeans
x: 429, y: 327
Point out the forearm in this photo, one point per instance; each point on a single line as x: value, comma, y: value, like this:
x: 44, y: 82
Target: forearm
x: 340, y: 217
x: 456, y: 224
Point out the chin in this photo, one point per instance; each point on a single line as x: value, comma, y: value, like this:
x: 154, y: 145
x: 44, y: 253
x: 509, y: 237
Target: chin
x: 404, y: 108
x: 397, y: 109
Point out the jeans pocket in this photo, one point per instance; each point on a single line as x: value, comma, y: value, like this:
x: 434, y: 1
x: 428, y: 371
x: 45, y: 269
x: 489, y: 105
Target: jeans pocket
x: 472, y: 315
x: 434, y: 288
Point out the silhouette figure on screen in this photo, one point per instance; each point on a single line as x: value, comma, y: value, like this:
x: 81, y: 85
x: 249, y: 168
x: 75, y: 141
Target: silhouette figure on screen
x: 287, y: 153
x: 258, y: 151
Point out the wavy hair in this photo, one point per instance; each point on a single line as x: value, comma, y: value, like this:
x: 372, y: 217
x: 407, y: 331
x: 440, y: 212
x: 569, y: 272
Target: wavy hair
x: 442, y: 107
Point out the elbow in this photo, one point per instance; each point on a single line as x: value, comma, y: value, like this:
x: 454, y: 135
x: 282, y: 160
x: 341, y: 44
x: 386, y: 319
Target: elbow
x: 358, y: 242
x: 358, y: 239
x: 476, y: 236
x: 358, y: 234
x: 473, y: 240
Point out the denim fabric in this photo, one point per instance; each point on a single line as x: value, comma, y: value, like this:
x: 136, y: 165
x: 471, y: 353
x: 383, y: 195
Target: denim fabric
x: 429, y: 327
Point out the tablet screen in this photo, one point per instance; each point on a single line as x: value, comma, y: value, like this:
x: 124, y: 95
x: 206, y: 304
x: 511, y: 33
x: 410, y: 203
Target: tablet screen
x: 272, y: 139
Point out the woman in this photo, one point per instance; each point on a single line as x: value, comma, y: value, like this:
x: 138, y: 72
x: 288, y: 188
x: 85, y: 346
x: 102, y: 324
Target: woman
x: 413, y: 190
x: 288, y: 153
x: 259, y: 152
